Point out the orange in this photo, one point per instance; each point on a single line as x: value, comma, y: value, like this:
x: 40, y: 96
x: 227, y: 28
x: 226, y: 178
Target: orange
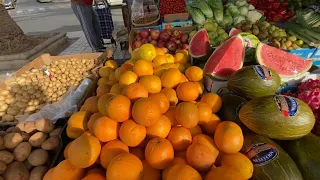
x: 181, y: 68
x: 96, y: 170
x: 239, y: 161
x: 213, y: 100
x: 224, y: 173
x: 171, y: 78
x: 135, y: 55
x: 94, y: 177
x: 184, y: 51
x: 125, y: 166
x: 159, y: 153
x: 102, y: 81
x: 159, y: 60
x: 181, y: 154
x: 147, y: 52
x: 169, y: 66
x: 105, y: 71
x: 171, y: 95
x: 160, y: 129
x: 117, y: 74
x: 160, y: 51
x: 135, y: 91
x: 106, y: 129
x: 228, y: 137
x: 112, y: 64
x: 195, y: 130
x: 48, y: 175
x: 187, y: 91
x: 143, y: 68
x: 78, y: 124
x: 200, y: 157
x: 180, y: 58
x: 144, y: 143
x: 65, y: 152
x: 205, y: 112
x: 90, y: 104
x: 170, y: 114
x: 112, y: 76
x: 118, y: 108
x: 110, y: 150
x: 180, y: 138
x: 207, y: 141
x: 127, y: 78
x: 194, y: 73
x: 131, y: 133
x: 150, y: 173
x: 152, y: 83
x: 159, y: 70
x: 176, y: 160
x: 93, y: 119
x: 183, y: 171
x: 117, y: 88
x: 162, y: 100
x: 102, y: 102
x: 103, y: 89
x: 170, y: 58
x: 137, y: 151
x: 183, y: 79
x: 209, y: 127
x: 127, y: 66
x: 187, y: 114
x: 146, y: 112
x: 65, y: 170
x: 112, y: 82
x: 200, y: 87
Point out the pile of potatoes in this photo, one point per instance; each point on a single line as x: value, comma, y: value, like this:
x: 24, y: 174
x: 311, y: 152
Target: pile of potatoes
x: 25, y: 148
x: 34, y: 89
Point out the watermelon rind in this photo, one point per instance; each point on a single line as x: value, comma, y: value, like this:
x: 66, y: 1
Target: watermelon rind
x: 260, y: 61
x: 234, y: 31
x: 215, y: 76
x: 203, y: 30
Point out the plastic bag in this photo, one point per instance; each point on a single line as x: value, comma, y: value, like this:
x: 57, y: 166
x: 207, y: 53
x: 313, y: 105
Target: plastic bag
x: 120, y: 33
x: 66, y: 106
x: 137, y: 11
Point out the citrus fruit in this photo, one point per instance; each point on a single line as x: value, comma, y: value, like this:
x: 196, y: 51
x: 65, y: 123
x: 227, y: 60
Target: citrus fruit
x: 96, y: 170
x: 160, y: 129
x: 149, y: 173
x: 170, y: 58
x: 147, y: 52
x: 213, y: 100
x: 143, y: 68
x: 200, y: 157
x: 117, y: 73
x: 171, y: 95
x: 159, y: 153
x: 171, y: 78
x: 170, y: 114
x: 102, y: 102
x: 112, y: 76
x: 135, y: 55
x: 146, y: 112
x: 205, y: 112
x: 224, y: 173
x: 180, y: 138
x: 159, y: 60
x: 194, y: 73
x: 241, y: 162
x: 187, y: 114
x: 117, y: 88
x: 65, y: 170
x: 210, y: 126
x: 160, y: 51
x: 105, y: 71
x: 162, y: 100
x: 176, y: 160
x: 127, y: 66
x: 110, y: 150
x: 112, y: 64
x: 187, y: 91
x: 127, y: 78
x: 207, y: 141
x: 200, y: 87
x: 183, y: 171
x: 228, y: 137
x: 137, y: 151
x: 106, y: 129
x: 94, y: 177
x: 135, y: 91
x: 118, y: 108
x: 103, y: 89
x: 152, y: 83
x: 180, y: 58
x: 131, y: 133
x: 102, y: 81
x: 183, y: 79
x: 159, y: 70
x: 93, y: 119
x: 195, y: 130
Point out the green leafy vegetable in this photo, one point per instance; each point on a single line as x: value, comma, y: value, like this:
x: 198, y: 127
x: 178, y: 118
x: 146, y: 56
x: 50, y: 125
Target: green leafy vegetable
x: 243, y: 10
x: 196, y: 15
x: 228, y: 20
x: 217, y: 8
x: 254, y: 15
x: 238, y: 19
x: 240, y: 3
x: 233, y: 10
x: 204, y: 7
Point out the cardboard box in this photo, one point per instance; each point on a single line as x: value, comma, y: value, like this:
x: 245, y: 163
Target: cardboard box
x: 181, y: 21
x: 149, y: 27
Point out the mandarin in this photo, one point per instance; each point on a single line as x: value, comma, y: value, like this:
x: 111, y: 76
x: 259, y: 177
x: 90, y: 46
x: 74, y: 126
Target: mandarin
x: 195, y: 130
x: 171, y: 95
x: 143, y: 68
x: 162, y: 100
x: 159, y: 153
x: 106, y: 129
x: 170, y: 114
x: 110, y: 150
x: 152, y: 83
x: 200, y: 157
x: 205, y: 112
x: 209, y: 127
x: 180, y: 138
x: 102, y: 102
x: 131, y: 133
x: 187, y: 91
x: 187, y: 114
x: 241, y: 162
x: 146, y: 112
x: 103, y: 89
x: 112, y: 64
x: 149, y: 173
x: 117, y: 88
x: 118, y: 108
x: 135, y: 91
x: 160, y: 129
x: 213, y: 100
x: 127, y: 78
x: 183, y: 171
x: 93, y: 119
x: 171, y: 78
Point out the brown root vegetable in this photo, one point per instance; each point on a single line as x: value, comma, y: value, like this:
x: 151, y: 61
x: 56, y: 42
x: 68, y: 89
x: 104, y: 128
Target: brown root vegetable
x: 51, y: 143
x: 12, y: 130
x: 56, y: 132
x: 3, y: 133
x: 29, y: 127
x: 25, y: 136
x: 44, y: 125
x: 3, y: 167
x: 20, y: 126
x: 2, y: 143
x: 16, y: 171
x: 38, y: 157
x: 22, y: 151
x: 37, y: 139
x: 38, y: 172
x: 6, y: 156
x: 12, y: 140
x: 27, y: 164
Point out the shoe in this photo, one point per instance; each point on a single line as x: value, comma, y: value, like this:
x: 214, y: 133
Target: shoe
x: 103, y: 49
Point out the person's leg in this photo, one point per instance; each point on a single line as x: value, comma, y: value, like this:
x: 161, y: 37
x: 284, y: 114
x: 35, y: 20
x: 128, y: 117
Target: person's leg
x: 97, y: 27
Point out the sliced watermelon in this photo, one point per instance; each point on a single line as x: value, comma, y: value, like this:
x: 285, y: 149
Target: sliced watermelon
x: 234, y: 31
x: 199, y: 45
x: 226, y: 59
x: 285, y: 64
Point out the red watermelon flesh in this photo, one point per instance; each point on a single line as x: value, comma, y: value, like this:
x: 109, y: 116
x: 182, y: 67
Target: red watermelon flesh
x: 200, y: 44
x: 234, y: 31
x: 285, y: 64
x: 226, y: 59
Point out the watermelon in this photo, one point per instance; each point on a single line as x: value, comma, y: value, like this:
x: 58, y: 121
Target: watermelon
x: 226, y: 59
x: 278, y: 117
x: 270, y: 161
x: 305, y: 152
x: 285, y: 64
x: 234, y: 31
x: 254, y: 81
x: 199, y: 45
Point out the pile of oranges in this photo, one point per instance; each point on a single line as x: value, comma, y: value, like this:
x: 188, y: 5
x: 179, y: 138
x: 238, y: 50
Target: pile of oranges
x: 150, y: 120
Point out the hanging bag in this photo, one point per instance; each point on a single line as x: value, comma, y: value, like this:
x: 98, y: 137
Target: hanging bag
x: 105, y: 18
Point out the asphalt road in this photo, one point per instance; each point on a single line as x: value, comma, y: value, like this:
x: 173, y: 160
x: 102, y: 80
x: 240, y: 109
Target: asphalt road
x: 36, y: 18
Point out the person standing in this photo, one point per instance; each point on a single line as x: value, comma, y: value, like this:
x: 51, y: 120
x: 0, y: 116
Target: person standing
x: 89, y: 22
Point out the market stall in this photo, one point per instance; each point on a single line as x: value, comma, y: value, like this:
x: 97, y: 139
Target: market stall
x: 213, y: 90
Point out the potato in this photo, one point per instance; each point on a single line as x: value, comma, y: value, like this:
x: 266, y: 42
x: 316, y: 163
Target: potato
x: 2, y: 114
x: 6, y: 157
x: 22, y: 151
x: 8, y: 118
x: 16, y: 171
x: 29, y: 127
x: 30, y: 109
x: 2, y: 98
x: 44, y: 125
x: 13, y: 129
x: 38, y: 157
x: 12, y: 140
x: 56, y: 132
x: 20, y: 125
x: 10, y: 100
x: 3, y: 167
x: 51, y: 143
x: 27, y: 164
x: 4, y: 107
x: 3, y: 133
x: 1, y: 143
x: 4, y: 93
x: 37, y: 139
x: 38, y: 172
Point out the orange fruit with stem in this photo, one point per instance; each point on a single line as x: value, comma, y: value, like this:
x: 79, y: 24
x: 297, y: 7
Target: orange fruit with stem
x: 159, y: 153
x: 146, y: 112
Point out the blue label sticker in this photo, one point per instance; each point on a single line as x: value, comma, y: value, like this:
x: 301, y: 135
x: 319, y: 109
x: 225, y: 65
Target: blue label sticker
x: 289, y: 106
x: 224, y: 92
x: 262, y: 153
x: 262, y: 71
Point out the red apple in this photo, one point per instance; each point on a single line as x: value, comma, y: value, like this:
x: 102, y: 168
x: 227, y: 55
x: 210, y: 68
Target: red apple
x: 155, y: 33
x: 161, y: 44
x: 144, y: 41
x: 154, y: 42
x: 144, y: 34
x: 172, y: 38
x: 168, y: 31
x: 164, y: 36
x: 149, y: 39
x: 172, y: 46
x: 138, y: 38
x: 184, y: 38
x: 185, y: 46
x: 176, y: 33
x: 178, y: 41
x: 137, y: 44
